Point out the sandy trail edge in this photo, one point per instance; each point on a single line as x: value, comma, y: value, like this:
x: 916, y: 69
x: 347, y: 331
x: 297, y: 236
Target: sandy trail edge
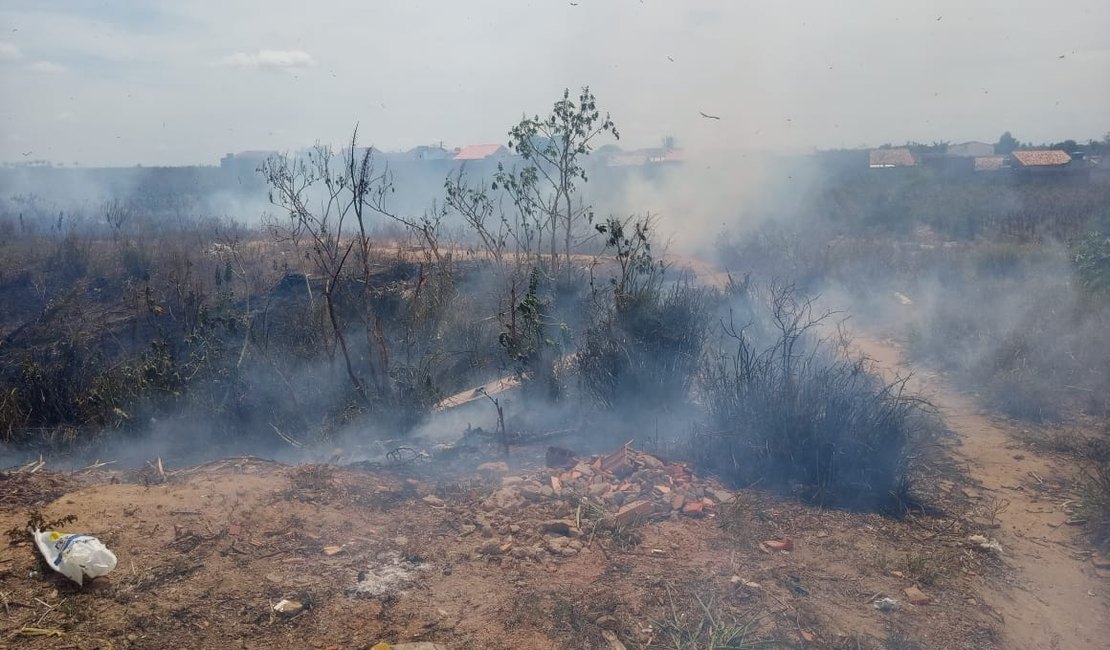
x: 1057, y: 600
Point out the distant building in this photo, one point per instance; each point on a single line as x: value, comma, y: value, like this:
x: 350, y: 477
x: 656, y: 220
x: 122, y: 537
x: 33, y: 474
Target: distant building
x: 245, y: 164
x: 1046, y: 159
x: 665, y: 156
x: 481, y: 152
x: 990, y: 163
x: 1048, y: 164
x: 244, y: 159
x: 971, y: 149
x: 645, y: 157
x: 884, y: 158
x: 627, y: 159
x: 435, y: 152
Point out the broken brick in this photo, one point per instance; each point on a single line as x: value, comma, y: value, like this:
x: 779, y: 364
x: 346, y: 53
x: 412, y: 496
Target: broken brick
x: 634, y: 510
x: 784, y: 544
x: 916, y: 596
x: 677, y: 501
x: 616, y: 463
x: 693, y: 508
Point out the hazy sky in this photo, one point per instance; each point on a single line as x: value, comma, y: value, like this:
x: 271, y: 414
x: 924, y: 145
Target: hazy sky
x: 158, y: 82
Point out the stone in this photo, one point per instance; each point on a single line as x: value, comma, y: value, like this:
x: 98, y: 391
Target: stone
x: 784, y: 544
x: 492, y: 547
x: 612, y: 640
x: 916, y: 596
x: 564, y: 527
x: 493, y: 470
x: 505, y: 498
x: 433, y: 501
x: 597, y: 489
x: 288, y: 607
x: 558, y: 457
x: 693, y: 508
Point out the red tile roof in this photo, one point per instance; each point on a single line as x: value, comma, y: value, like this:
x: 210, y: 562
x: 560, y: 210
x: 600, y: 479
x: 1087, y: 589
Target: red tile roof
x: 1051, y: 158
x: 901, y: 157
x: 479, y: 151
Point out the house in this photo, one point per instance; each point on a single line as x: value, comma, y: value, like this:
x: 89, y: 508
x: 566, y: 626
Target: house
x: 972, y: 149
x: 989, y: 163
x: 1040, y: 160
x: 645, y: 157
x: 1048, y: 164
x: 665, y: 156
x: 627, y: 159
x: 244, y: 159
x: 481, y: 152
x: 884, y: 158
x: 433, y: 152
x: 244, y: 165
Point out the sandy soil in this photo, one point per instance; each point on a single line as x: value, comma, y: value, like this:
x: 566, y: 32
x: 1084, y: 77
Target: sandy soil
x: 388, y: 555
x: 1057, y: 598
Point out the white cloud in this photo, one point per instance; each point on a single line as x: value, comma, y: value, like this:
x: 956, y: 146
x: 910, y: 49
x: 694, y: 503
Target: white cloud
x: 47, y: 67
x: 273, y: 59
x: 10, y: 52
x: 66, y: 116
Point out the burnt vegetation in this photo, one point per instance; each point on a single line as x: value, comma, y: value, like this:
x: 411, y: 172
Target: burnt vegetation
x: 342, y: 319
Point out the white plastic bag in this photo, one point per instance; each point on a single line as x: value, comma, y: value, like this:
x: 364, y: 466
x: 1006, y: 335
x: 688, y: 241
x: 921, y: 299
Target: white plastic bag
x: 74, y: 556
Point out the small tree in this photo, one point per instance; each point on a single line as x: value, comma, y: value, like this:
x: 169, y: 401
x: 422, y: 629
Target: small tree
x: 553, y: 148
x: 320, y: 203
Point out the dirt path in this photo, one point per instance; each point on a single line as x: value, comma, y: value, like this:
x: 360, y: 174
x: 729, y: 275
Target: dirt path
x: 1057, y: 600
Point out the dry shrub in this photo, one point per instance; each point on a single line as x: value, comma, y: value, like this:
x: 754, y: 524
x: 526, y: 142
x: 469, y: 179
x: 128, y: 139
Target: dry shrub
x: 790, y: 411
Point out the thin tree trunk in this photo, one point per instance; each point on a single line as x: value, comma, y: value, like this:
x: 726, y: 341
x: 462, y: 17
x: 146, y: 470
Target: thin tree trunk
x: 342, y: 340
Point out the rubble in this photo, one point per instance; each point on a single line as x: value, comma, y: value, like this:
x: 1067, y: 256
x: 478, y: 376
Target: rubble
x: 574, y: 494
x: 629, y: 484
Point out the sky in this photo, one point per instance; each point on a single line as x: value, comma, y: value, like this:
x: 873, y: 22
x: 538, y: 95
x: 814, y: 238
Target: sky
x: 153, y: 82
